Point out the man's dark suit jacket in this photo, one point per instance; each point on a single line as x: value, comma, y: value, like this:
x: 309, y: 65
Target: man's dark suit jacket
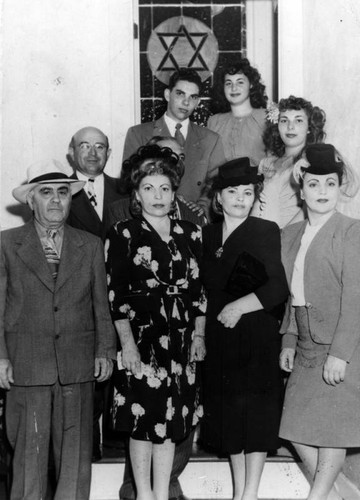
x: 53, y: 330
x: 84, y: 216
x: 203, y: 151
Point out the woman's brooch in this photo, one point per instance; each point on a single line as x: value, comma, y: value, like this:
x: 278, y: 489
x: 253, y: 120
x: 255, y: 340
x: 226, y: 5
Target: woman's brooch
x: 219, y: 252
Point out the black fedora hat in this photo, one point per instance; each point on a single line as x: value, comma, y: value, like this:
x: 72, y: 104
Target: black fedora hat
x: 235, y: 173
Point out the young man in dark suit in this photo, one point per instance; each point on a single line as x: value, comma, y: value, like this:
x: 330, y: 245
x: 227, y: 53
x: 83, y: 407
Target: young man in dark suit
x: 203, y: 148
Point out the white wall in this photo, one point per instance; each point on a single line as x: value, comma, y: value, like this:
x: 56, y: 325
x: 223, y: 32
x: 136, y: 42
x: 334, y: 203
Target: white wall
x: 260, y: 40
x: 319, y: 43
x: 66, y: 64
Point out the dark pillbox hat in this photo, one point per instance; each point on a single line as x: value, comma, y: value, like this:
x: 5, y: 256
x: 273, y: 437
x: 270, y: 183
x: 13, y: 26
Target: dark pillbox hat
x: 322, y: 159
x: 235, y: 173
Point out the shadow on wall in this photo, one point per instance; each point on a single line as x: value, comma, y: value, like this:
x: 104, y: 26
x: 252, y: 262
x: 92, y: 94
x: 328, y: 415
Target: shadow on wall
x: 20, y: 210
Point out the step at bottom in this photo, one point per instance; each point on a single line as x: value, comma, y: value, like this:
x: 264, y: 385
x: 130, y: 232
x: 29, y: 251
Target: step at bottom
x: 209, y: 480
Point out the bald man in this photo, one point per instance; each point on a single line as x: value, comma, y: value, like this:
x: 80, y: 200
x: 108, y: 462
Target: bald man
x: 88, y: 154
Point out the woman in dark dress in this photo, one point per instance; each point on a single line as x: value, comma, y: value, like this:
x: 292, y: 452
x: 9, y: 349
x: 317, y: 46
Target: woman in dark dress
x: 158, y: 307
x: 245, y: 280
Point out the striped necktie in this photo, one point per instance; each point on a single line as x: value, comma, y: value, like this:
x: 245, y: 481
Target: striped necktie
x: 178, y: 135
x: 51, y: 253
x: 91, y: 191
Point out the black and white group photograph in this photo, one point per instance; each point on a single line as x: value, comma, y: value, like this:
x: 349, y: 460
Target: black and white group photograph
x: 180, y: 250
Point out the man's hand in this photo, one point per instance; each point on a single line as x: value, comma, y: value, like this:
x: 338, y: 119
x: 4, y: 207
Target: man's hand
x: 6, y: 373
x: 334, y: 370
x: 103, y: 369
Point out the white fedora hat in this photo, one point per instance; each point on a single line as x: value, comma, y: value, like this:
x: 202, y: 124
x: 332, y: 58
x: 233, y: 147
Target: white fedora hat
x: 46, y: 172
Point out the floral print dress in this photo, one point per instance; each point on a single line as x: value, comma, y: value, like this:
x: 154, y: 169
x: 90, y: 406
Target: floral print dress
x: 155, y: 284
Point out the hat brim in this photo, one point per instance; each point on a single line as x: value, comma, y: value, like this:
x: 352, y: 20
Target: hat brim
x: 20, y: 193
x: 222, y: 183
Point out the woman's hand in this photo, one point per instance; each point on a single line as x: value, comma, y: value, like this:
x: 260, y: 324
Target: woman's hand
x: 230, y: 314
x: 130, y: 356
x: 286, y: 359
x: 334, y: 370
x: 198, y: 349
x: 131, y: 359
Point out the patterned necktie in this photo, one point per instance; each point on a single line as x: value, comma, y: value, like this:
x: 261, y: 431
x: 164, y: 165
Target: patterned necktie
x: 91, y: 192
x: 178, y: 135
x: 51, y: 253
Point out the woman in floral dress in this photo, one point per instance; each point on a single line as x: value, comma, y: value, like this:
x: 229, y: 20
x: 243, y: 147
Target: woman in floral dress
x: 158, y: 307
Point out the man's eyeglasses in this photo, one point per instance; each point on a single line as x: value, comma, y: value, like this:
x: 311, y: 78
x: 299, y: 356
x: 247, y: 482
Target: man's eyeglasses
x: 85, y: 146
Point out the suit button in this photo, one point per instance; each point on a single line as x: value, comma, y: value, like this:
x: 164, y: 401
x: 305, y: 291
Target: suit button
x: 56, y: 309
x: 199, y: 183
x: 57, y: 337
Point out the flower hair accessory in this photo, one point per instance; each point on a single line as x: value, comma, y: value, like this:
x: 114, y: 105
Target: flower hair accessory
x: 272, y: 112
x: 299, y: 169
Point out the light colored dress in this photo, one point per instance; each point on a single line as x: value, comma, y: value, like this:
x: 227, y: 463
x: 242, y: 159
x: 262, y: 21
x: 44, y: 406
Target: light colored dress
x: 241, y: 136
x: 280, y: 199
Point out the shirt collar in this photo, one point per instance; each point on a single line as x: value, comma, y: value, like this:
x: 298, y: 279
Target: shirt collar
x: 42, y: 230
x: 171, y: 124
x: 99, y: 178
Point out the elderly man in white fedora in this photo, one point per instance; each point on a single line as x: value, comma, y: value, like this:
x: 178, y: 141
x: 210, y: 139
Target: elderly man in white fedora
x: 56, y: 337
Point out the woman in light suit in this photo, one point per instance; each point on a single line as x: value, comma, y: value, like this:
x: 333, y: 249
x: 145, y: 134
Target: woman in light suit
x: 321, y: 327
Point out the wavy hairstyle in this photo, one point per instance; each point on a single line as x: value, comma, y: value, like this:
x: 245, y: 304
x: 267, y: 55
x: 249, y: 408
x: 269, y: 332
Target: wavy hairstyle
x: 258, y: 97
x: 150, y: 150
x: 316, y: 118
x: 150, y: 160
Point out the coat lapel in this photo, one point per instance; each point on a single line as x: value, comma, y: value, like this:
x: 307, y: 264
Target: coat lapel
x: 289, y: 255
x: 193, y: 140
x: 32, y: 254
x: 317, y: 244
x: 71, y: 255
x: 160, y: 128
x: 85, y: 212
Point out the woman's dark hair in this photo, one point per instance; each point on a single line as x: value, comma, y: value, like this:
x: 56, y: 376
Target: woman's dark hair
x: 213, y: 194
x: 150, y: 160
x: 316, y: 118
x: 258, y: 97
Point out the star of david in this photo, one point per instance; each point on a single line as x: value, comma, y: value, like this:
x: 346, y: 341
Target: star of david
x: 182, y: 33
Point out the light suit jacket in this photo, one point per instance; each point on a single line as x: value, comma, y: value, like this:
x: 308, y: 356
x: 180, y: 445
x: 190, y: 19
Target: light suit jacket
x: 203, y: 151
x: 331, y: 283
x: 50, y: 329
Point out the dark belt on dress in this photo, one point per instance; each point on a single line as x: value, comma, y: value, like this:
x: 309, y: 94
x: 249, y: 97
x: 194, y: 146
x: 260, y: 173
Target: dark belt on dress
x: 162, y: 289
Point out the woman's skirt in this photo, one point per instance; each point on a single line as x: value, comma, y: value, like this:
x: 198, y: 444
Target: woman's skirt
x: 316, y: 413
